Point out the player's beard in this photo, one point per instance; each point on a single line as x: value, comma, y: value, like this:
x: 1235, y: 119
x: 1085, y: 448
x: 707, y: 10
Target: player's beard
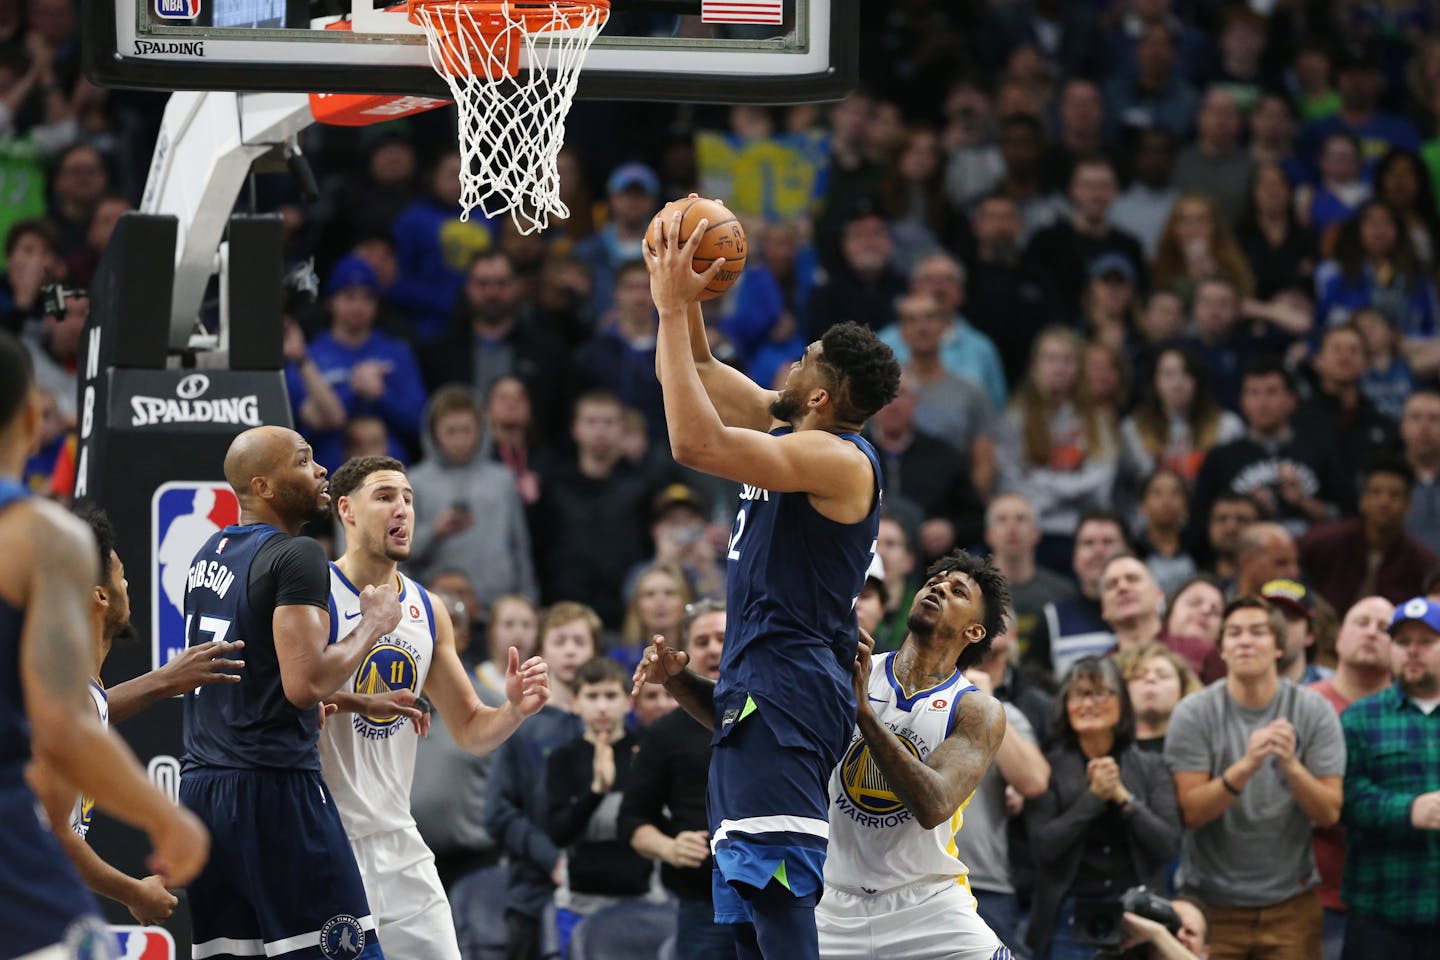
x: 124, y: 634
x: 302, y: 504
x: 786, y: 407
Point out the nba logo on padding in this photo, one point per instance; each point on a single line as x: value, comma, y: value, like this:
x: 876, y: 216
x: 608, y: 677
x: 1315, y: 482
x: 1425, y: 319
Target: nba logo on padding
x: 144, y: 943
x: 177, y: 9
x: 183, y: 515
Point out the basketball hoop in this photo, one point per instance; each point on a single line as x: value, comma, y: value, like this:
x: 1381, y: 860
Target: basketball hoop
x: 511, y: 125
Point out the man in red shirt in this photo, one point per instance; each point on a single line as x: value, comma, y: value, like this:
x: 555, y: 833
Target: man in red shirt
x: 1364, y: 668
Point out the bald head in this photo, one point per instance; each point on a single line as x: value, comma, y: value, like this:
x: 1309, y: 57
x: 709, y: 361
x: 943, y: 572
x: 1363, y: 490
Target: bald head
x: 257, y: 453
x: 1265, y: 552
x: 273, y: 472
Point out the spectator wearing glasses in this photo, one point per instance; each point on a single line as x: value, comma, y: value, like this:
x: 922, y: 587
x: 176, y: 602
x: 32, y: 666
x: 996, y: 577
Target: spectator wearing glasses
x: 1108, y: 820
x: 1258, y: 763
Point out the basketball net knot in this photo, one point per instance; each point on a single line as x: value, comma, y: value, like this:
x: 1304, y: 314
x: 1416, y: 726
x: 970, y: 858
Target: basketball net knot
x: 512, y: 122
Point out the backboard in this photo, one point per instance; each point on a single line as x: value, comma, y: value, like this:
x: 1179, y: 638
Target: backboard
x: 658, y: 50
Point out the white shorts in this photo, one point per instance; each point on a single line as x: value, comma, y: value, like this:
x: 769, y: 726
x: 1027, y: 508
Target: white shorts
x: 412, y: 915
x: 922, y: 921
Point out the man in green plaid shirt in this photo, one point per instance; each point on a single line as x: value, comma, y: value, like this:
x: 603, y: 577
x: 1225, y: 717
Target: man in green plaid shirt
x: 1392, y: 800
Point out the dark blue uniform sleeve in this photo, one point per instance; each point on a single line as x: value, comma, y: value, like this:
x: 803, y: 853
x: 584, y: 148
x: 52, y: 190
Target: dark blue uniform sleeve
x: 290, y: 572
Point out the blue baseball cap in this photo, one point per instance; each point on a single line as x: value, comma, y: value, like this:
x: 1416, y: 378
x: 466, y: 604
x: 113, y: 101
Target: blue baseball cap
x: 1422, y: 609
x: 1108, y: 263
x: 629, y: 175
x: 352, y: 271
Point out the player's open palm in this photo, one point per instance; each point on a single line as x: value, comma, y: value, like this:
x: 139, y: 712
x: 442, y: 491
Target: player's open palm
x: 381, y: 606
x: 181, y: 847
x: 204, y: 664
x: 527, y: 685
x: 659, y: 663
x: 152, y: 903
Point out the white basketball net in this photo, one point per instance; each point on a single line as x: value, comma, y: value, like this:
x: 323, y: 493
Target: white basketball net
x: 511, y: 128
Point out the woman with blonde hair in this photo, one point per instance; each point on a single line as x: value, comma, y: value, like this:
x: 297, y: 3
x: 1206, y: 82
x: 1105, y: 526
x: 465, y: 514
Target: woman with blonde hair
x: 1196, y: 243
x: 1055, y: 446
x: 1158, y: 678
x: 657, y: 607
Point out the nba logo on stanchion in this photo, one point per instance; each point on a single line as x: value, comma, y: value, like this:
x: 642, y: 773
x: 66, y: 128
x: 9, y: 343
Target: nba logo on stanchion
x: 177, y: 9
x: 183, y: 515
x: 144, y: 943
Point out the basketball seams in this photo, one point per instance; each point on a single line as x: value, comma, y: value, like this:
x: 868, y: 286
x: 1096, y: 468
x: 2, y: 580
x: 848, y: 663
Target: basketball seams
x: 729, y: 226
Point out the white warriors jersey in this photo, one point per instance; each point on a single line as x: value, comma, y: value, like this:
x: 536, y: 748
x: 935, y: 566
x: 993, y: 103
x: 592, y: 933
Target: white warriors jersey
x: 84, y: 808
x: 876, y: 844
x: 369, y: 762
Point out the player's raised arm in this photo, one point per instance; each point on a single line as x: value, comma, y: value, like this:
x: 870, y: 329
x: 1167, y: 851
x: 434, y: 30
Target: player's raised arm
x: 820, y: 394
x: 477, y: 728
x: 932, y: 790
x: 312, y: 668
x: 65, y: 734
x: 738, y: 400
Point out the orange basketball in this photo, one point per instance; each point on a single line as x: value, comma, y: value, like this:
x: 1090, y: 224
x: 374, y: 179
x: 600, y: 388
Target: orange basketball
x: 724, y: 237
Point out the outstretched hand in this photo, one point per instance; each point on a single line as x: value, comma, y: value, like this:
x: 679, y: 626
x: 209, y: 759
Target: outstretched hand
x: 527, y: 686
x: 658, y: 664
x: 674, y: 284
x: 860, y: 669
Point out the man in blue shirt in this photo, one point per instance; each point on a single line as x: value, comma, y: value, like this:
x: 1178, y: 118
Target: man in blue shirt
x: 964, y: 351
x: 1359, y: 82
x: 373, y: 375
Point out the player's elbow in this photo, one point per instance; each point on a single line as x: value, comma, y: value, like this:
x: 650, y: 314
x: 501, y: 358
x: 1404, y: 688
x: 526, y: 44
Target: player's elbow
x: 303, y: 695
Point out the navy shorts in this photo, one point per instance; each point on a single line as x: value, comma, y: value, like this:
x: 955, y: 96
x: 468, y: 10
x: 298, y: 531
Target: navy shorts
x: 45, y: 902
x: 769, y: 806
x: 282, y: 879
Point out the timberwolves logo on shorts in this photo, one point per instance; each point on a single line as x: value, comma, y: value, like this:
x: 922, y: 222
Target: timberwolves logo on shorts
x: 183, y: 515
x: 388, y: 667
x: 341, y: 937
x: 865, y: 785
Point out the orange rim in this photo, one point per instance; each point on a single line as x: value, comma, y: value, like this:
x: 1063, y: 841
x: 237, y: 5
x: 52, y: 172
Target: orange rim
x: 494, y: 23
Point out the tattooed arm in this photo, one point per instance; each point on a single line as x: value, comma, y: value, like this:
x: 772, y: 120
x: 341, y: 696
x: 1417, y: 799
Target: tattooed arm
x: 933, y: 790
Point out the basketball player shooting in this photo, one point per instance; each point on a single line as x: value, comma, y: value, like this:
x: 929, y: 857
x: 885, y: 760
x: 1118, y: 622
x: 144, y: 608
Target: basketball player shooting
x: 368, y: 751
x: 924, y: 737
x: 49, y: 570
x: 783, y: 708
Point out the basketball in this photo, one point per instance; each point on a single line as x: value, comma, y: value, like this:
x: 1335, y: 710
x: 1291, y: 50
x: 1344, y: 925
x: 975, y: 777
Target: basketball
x: 724, y: 237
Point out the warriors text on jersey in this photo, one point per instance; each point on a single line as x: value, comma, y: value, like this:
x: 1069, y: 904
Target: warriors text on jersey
x: 875, y: 843
x: 84, y: 807
x: 369, y: 762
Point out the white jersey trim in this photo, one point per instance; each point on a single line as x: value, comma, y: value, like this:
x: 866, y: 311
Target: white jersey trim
x: 240, y: 948
x: 776, y: 824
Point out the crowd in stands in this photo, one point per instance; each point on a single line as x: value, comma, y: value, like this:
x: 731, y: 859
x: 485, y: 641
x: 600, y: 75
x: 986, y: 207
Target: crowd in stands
x: 1162, y: 276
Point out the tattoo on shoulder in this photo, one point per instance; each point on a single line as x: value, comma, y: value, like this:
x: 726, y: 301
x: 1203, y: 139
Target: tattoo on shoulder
x: 980, y: 719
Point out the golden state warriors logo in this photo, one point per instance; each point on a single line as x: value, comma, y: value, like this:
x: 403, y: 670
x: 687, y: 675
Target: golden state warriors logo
x: 385, y: 669
x: 863, y: 782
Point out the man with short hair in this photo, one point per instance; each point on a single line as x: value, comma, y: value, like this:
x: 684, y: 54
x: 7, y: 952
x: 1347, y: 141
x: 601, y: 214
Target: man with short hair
x: 1224, y: 344
x: 1370, y: 553
x: 1130, y: 602
x: 1363, y: 650
x: 863, y: 284
x: 1143, y: 209
x: 1338, y: 408
x: 1068, y: 247
x: 955, y: 410
x: 964, y: 351
x: 1420, y: 433
x: 1230, y: 515
x: 1391, y: 885
x: 633, y: 190
x: 1004, y: 295
x: 1012, y: 535
x: 1258, y: 762
x: 1216, y: 164
x: 1295, y: 477
x: 1072, y: 628
x: 1297, y: 604
x: 366, y: 752
x: 1265, y: 552
x: 663, y: 813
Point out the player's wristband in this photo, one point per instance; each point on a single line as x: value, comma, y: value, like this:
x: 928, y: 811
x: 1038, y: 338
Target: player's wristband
x: 1234, y: 790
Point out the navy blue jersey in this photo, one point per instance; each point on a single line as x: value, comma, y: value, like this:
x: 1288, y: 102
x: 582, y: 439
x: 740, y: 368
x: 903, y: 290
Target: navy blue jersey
x: 45, y: 903
x: 794, y: 576
x: 14, y: 727
x: 235, y: 583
